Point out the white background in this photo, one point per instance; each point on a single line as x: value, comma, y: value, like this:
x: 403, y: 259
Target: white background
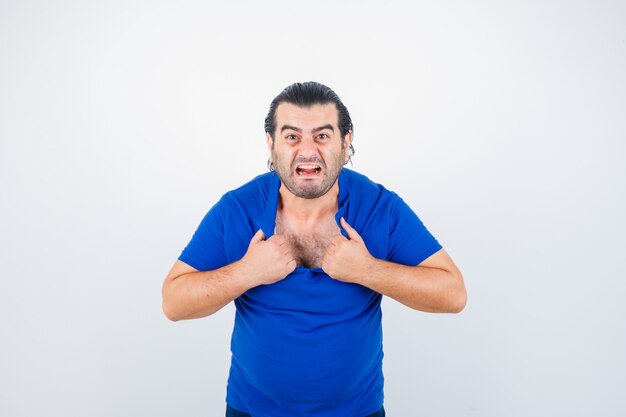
x: 501, y: 123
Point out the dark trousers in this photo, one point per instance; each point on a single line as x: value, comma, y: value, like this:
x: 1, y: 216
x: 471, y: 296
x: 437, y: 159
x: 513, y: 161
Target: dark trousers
x: 231, y: 412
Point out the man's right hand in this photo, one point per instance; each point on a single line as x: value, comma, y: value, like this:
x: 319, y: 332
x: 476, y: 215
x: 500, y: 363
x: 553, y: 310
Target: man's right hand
x: 190, y: 294
x: 267, y: 261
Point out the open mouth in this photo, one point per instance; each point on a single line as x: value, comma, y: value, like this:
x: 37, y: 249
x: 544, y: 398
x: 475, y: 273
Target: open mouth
x: 308, y: 169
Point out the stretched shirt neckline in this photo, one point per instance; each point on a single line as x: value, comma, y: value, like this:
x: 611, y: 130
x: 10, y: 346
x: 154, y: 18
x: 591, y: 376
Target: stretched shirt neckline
x: 267, y: 220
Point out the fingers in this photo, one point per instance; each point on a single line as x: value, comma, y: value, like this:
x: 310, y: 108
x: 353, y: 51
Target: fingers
x: 258, y: 236
x: 324, y: 265
x: 292, y: 264
x: 279, y: 239
x: 283, y: 244
x: 336, y: 241
x: 352, y: 234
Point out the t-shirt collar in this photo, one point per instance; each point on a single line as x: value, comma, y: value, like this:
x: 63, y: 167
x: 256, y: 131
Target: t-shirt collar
x: 267, y: 220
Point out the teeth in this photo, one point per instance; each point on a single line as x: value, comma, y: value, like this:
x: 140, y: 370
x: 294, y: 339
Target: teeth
x: 308, y: 166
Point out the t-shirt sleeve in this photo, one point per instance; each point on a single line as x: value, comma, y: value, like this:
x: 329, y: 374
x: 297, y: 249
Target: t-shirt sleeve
x: 206, y: 250
x: 410, y: 243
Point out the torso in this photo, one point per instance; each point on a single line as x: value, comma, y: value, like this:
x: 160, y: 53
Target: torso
x: 307, y: 246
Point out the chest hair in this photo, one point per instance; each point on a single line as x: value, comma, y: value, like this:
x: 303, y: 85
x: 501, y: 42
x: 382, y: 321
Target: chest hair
x: 308, y: 246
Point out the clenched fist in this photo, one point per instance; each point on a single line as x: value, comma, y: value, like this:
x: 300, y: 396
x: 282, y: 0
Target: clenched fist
x: 267, y: 261
x: 347, y: 259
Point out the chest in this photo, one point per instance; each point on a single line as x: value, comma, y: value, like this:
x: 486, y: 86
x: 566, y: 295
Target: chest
x: 308, y: 244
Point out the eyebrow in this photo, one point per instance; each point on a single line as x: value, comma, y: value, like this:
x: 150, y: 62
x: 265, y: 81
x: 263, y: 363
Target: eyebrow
x: 297, y: 129
x: 328, y: 126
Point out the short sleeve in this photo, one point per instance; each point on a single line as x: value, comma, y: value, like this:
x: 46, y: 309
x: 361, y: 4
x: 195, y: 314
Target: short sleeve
x: 206, y: 250
x: 410, y: 243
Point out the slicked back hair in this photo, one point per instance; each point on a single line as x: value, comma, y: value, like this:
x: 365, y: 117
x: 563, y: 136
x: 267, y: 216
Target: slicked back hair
x: 308, y: 94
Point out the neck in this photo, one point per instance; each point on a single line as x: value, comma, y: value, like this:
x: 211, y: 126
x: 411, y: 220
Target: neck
x: 308, y: 209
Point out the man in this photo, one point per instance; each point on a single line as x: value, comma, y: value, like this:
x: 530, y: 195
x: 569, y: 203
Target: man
x: 306, y: 251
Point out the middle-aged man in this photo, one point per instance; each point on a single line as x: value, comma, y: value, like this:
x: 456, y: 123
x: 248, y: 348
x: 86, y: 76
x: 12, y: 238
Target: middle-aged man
x: 307, y: 251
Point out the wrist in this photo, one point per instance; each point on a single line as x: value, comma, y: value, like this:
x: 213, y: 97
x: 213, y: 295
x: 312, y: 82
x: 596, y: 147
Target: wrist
x: 243, y: 275
x: 370, y: 271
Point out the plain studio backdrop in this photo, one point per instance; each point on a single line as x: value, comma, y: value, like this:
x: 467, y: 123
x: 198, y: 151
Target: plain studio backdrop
x: 501, y: 123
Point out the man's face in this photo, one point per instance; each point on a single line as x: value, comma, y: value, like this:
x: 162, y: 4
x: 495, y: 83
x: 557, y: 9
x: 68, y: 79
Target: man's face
x: 307, y: 150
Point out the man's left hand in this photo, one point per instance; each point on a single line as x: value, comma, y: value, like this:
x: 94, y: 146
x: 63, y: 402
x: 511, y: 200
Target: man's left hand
x: 347, y: 259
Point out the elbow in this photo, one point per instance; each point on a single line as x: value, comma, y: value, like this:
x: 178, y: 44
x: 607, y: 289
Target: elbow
x: 458, y: 298
x: 169, y: 309
x: 177, y: 309
x: 459, y: 302
x: 169, y: 312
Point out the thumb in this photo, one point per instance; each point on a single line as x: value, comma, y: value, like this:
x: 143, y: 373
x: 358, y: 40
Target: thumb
x: 258, y: 236
x: 352, y: 234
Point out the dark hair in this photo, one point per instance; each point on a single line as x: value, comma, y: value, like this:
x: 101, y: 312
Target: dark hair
x: 305, y: 95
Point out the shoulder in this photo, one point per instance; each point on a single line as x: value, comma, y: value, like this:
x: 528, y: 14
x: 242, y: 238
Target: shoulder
x: 363, y: 189
x: 250, y: 199
x: 255, y: 191
x: 259, y: 186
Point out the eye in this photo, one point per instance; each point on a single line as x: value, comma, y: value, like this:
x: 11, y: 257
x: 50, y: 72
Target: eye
x: 291, y: 137
x: 322, y: 136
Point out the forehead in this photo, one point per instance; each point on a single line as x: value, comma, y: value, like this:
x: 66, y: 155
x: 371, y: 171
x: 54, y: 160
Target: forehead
x: 306, y: 117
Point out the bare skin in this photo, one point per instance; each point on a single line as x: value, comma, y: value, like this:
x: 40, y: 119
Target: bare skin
x: 308, y: 242
x: 435, y: 285
x: 308, y: 151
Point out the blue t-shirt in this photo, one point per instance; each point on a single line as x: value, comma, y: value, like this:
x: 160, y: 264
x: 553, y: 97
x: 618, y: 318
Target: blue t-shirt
x: 308, y: 345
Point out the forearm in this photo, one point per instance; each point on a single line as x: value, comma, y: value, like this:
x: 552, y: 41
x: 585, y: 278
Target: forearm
x: 191, y: 294
x: 427, y: 289
x: 200, y: 294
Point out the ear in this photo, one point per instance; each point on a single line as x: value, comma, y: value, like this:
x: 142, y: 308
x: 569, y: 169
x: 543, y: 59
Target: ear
x: 347, y: 141
x: 269, y: 141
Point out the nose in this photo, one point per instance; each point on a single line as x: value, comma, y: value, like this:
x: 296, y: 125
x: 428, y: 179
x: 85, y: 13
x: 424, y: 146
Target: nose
x: 308, y: 149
